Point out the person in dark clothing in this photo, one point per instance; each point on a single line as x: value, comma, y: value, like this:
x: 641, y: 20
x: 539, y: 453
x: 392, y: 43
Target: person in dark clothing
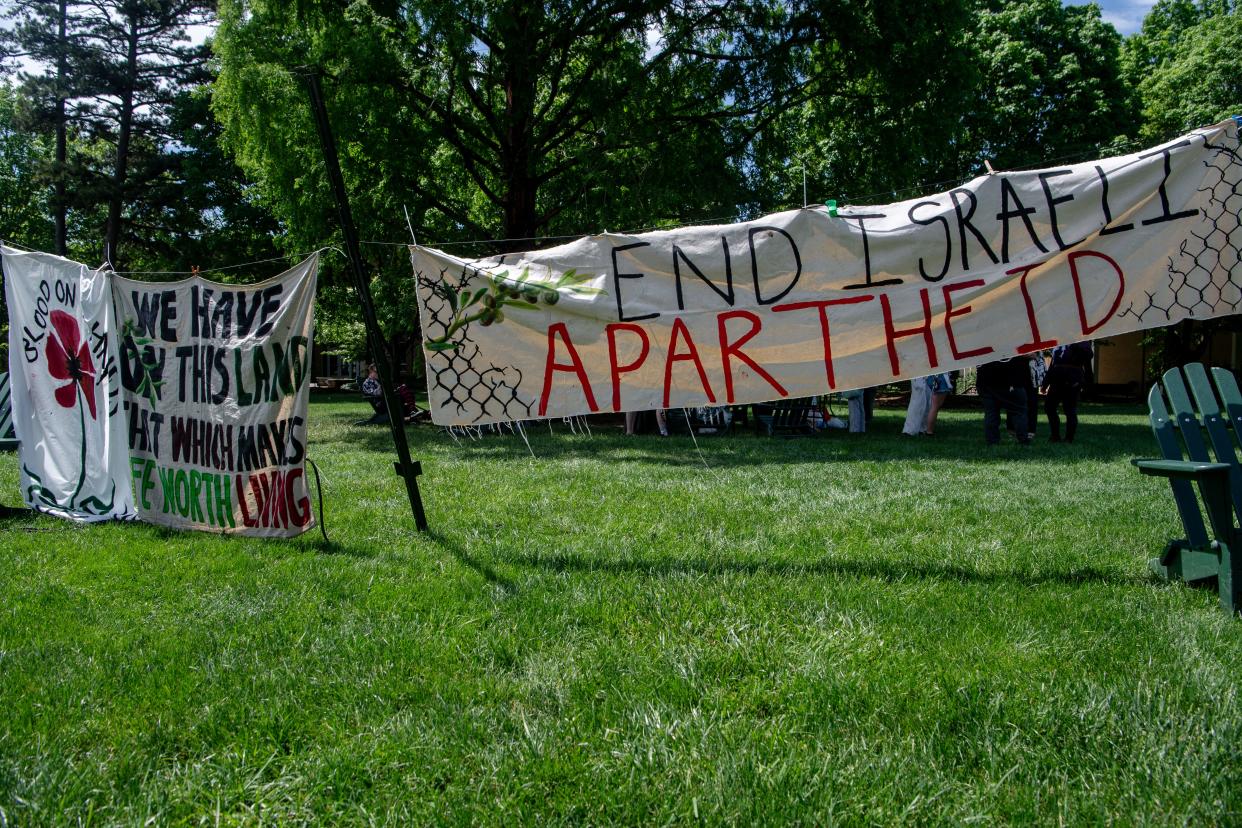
x: 1034, y: 378
x: 1002, y: 385
x: 1067, y: 375
x: 373, y: 393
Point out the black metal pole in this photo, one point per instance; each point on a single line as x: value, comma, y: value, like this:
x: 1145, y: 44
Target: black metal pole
x: 406, y: 468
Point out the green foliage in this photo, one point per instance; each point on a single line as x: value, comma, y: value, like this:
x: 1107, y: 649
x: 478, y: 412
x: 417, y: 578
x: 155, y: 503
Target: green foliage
x: 142, y: 165
x: 492, y: 121
x: 1197, y: 83
x: 899, y: 78
x: 25, y: 215
x: 925, y: 92
x: 25, y: 211
x: 511, y: 120
x: 1050, y: 83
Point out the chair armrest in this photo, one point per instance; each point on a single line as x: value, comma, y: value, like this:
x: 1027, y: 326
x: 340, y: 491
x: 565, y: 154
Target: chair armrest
x: 1188, y: 469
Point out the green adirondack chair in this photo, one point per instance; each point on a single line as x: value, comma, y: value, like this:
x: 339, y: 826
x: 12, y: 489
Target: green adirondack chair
x: 1199, y: 409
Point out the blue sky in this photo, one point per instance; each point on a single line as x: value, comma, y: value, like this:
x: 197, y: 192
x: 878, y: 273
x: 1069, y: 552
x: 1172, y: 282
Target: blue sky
x: 1126, y: 15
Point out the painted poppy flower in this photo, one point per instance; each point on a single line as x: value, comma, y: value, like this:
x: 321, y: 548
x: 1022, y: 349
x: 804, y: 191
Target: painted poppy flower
x: 69, y: 358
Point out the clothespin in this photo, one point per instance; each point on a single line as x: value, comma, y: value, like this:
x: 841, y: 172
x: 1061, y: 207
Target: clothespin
x: 832, y: 207
x: 193, y: 270
x: 988, y: 164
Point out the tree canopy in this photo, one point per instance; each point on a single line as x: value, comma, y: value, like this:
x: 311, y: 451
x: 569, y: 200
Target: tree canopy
x: 500, y: 123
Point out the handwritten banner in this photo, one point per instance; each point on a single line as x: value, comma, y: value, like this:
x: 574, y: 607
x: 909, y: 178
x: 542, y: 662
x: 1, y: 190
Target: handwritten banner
x: 804, y: 302
x: 216, y: 384
x: 65, y: 391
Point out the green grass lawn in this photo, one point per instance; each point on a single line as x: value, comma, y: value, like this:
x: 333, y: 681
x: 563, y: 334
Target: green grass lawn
x: 858, y: 630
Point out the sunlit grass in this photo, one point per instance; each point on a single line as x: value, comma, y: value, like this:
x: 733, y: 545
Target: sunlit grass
x: 840, y: 629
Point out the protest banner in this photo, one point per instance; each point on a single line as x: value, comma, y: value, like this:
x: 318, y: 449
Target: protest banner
x: 216, y: 384
x: 65, y: 389
x: 813, y: 300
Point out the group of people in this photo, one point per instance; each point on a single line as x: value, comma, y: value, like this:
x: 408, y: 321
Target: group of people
x: 1009, y: 386
x: 927, y: 395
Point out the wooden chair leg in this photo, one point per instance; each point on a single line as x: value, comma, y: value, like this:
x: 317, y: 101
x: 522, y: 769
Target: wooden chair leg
x: 1230, y: 582
x: 1169, y: 564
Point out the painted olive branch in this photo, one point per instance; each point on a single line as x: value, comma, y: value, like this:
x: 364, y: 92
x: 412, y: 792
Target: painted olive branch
x: 486, y: 304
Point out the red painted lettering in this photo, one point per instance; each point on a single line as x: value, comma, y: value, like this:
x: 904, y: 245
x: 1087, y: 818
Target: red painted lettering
x: 299, y: 507
x: 247, y: 519
x: 1082, y: 310
x: 950, y: 312
x: 823, y: 324
x: 1036, y: 343
x: 692, y: 354
x: 618, y: 369
x: 892, y: 334
x: 734, y: 349
x: 552, y: 366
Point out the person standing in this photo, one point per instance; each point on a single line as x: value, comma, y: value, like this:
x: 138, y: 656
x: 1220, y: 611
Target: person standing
x: 1002, y: 385
x: 920, y: 404
x: 631, y: 422
x: 1067, y: 376
x: 939, y: 387
x: 1034, y: 380
x: 857, y: 402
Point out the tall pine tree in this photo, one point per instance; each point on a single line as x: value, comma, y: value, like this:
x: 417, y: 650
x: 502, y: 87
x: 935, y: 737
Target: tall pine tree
x: 47, y: 33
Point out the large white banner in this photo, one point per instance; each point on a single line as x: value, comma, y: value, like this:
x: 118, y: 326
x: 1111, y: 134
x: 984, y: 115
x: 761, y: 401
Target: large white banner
x: 216, y: 381
x: 803, y: 302
x: 66, y: 391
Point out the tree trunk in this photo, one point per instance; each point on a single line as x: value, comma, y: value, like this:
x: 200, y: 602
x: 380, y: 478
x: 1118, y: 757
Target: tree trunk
x: 60, y: 205
x: 112, y: 234
x: 520, y: 189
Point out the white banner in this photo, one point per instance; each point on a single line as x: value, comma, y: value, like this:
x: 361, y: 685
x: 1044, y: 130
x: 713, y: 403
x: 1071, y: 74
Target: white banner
x: 803, y: 302
x: 66, y: 399
x: 216, y: 381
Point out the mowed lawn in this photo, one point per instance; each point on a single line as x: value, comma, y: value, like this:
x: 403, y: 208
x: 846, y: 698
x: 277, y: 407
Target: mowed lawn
x: 870, y: 630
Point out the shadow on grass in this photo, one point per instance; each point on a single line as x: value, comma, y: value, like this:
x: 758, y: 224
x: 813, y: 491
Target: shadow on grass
x: 956, y: 441
x: 891, y: 572
x: 331, y: 547
x: 482, y: 567
x: 311, y: 540
x: 22, y: 519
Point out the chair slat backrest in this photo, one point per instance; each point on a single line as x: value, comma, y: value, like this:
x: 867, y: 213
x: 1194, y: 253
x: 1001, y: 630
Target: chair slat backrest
x: 1171, y: 449
x: 1231, y: 400
x: 1217, y: 426
x: 1227, y: 386
x: 1185, y: 417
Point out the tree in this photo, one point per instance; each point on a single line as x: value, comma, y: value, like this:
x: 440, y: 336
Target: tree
x: 113, y: 72
x: 1186, y: 67
x: 507, y: 120
x: 137, y: 59
x: 881, y: 125
x: 24, y: 208
x: 512, y: 118
x: 41, y: 32
x: 1016, y: 82
x: 1196, y: 82
x: 1050, y: 84
x: 24, y: 203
